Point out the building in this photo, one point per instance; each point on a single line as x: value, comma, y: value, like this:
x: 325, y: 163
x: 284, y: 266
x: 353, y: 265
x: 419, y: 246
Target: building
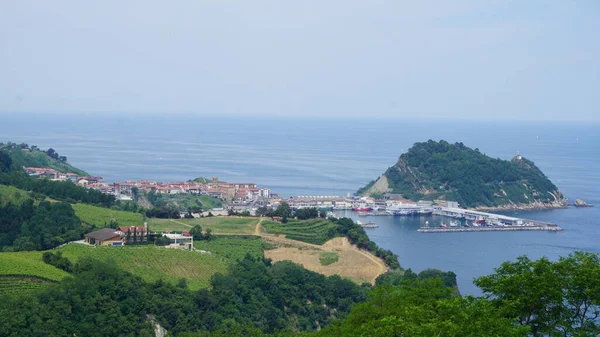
x: 180, y: 241
x: 135, y: 233
x: 105, y: 237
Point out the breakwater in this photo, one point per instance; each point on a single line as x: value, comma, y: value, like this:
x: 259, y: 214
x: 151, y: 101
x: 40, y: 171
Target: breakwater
x: 489, y: 229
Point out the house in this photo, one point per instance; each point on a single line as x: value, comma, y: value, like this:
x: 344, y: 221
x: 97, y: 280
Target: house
x: 105, y: 237
x: 135, y: 233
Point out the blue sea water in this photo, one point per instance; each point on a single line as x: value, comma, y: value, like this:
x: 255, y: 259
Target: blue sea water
x: 336, y: 157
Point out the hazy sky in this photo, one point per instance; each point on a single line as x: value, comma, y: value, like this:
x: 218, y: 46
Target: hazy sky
x: 486, y: 59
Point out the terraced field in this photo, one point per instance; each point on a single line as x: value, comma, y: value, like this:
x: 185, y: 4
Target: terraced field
x: 153, y: 263
x: 25, y: 272
x: 218, y: 225
x: 315, y: 231
x: 101, y: 217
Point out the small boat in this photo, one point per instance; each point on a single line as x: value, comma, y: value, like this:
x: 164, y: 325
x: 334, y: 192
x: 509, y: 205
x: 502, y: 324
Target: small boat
x: 362, y: 213
x: 369, y: 224
x: 361, y: 209
x: 453, y: 223
x: 443, y: 225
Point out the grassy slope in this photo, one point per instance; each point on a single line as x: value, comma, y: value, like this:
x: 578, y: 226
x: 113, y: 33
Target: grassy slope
x: 153, y: 263
x: 30, y: 264
x: 40, y: 159
x: 316, y: 231
x: 218, y: 225
x: 185, y: 201
x: 101, y: 217
x: 22, y: 273
x: 12, y: 194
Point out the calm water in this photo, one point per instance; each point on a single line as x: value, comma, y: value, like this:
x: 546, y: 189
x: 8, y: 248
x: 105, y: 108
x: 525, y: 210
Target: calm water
x: 336, y: 157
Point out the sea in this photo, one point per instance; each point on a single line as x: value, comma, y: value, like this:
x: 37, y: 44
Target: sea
x: 336, y: 156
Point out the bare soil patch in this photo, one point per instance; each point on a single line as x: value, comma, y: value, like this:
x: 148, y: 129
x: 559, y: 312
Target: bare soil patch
x: 357, y: 265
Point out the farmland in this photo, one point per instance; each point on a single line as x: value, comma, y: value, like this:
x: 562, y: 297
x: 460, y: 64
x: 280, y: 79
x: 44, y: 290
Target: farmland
x: 218, y: 225
x: 25, y: 272
x: 153, y: 263
x: 101, y: 217
x: 233, y: 248
x: 315, y: 231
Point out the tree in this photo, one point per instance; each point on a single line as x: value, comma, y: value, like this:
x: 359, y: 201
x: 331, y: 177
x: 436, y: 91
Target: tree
x: 552, y: 298
x: 323, y: 214
x: 423, y: 308
x: 196, y: 232
x: 283, y: 210
x: 208, y: 236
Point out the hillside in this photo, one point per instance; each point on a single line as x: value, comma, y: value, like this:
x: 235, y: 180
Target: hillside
x: 25, y: 272
x: 152, y: 263
x: 102, y: 217
x: 12, y: 194
x: 24, y: 155
x: 440, y: 170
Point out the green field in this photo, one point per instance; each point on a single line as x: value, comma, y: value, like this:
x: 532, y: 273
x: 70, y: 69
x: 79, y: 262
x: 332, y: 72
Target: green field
x: 101, y: 217
x: 13, y: 195
x: 218, y: 225
x: 316, y: 231
x: 153, y: 263
x: 25, y: 272
x: 233, y: 248
x: 328, y: 258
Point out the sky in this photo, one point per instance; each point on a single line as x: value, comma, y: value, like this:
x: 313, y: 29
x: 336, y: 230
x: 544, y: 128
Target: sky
x: 477, y: 59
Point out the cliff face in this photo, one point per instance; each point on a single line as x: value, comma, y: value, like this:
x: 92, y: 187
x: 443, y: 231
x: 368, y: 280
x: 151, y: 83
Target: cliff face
x: 440, y: 170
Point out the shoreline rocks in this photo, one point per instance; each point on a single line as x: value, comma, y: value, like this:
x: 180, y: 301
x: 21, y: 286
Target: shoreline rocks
x: 581, y: 203
x: 560, y: 203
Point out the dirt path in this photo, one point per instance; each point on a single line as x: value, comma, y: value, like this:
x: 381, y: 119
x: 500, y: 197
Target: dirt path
x: 257, y: 228
x: 181, y: 223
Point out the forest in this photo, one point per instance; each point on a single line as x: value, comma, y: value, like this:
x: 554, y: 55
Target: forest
x: 257, y: 298
x: 440, y: 170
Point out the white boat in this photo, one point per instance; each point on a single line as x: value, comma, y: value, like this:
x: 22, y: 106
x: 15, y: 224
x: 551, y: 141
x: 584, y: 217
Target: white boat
x: 453, y: 223
x: 369, y: 224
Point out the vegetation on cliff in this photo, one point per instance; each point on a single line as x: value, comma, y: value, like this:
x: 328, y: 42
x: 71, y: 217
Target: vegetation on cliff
x: 32, y: 156
x: 440, y: 170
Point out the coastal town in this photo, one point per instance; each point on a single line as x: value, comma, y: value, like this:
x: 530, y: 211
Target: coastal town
x: 248, y: 197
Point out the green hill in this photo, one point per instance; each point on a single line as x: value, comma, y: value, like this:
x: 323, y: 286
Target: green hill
x: 24, y: 155
x: 440, y: 170
x: 101, y: 217
x: 24, y: 272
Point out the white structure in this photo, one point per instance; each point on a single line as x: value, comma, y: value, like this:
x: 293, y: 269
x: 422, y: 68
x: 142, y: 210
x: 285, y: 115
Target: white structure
x: 180, y: 241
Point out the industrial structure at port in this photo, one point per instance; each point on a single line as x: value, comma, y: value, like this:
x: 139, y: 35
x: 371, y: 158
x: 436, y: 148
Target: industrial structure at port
x: 468, y: 220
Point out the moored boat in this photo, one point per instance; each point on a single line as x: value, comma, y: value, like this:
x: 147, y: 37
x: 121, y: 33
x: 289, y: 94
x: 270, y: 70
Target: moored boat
x: 369, y: 224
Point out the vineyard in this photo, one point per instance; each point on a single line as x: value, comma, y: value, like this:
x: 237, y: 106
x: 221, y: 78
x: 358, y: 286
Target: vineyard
x: 233, y: 248
x: 218, y: 225
x: 315, y: 231
x: 25, y: 272
x: 153, y: 263
x: 101, y: 217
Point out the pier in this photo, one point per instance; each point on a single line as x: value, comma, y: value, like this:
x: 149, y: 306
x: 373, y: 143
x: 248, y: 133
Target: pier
x: 489, y: 229
x: 486, y: 222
